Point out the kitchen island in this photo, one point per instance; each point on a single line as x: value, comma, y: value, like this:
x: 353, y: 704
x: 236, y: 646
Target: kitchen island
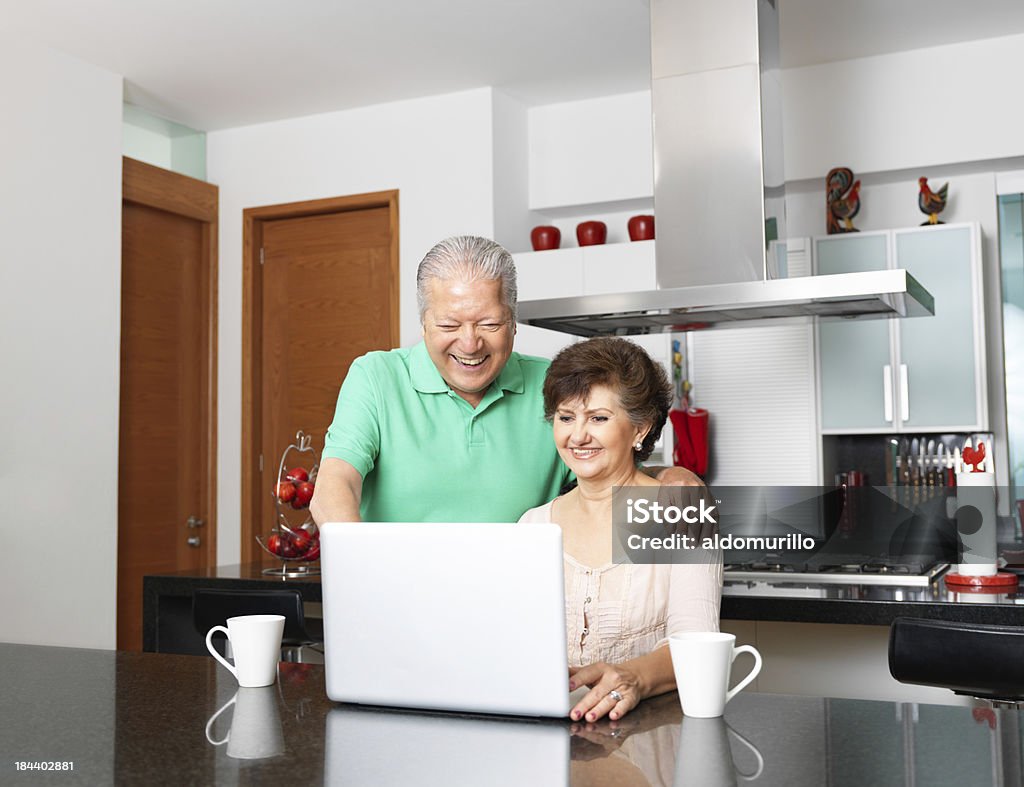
x: 103, y: 717
x: 817, y: 639
x: 167, y: 603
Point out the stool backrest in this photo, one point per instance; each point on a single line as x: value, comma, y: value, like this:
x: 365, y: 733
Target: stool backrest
x: 213, y: 607
x: 980, y: 660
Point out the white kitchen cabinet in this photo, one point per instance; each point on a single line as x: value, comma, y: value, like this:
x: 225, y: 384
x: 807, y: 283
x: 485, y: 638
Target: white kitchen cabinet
x: 923, y: 374
x: 590, y: 270
x: 557, y: 273
x: 587, y: 270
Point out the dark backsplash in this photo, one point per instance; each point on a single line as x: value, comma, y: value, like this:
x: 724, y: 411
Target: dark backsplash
x: 867, y: 453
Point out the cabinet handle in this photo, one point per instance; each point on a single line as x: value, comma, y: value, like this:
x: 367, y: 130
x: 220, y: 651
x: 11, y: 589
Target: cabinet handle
x: 887, y: 391
x: 904, y: 394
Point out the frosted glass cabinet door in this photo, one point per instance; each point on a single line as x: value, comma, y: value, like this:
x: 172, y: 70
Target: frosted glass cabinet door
x: 854, y: 357
x: 939, y: 352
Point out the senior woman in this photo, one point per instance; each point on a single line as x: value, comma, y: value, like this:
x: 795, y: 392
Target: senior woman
x: 608, y: 402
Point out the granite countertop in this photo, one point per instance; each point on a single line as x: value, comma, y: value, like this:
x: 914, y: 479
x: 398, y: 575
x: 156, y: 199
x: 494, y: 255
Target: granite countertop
x: 141, y: 718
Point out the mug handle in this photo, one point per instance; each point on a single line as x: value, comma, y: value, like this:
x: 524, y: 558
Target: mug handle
x: 213, y: 718
x: 749, y: 777
x: 225, y: 662
x: 751, y: 675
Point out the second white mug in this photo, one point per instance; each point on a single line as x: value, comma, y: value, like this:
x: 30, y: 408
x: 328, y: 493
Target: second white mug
x: 255, y: 645
x: 702, y: 662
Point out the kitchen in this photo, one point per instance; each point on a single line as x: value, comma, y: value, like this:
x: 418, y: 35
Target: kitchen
x: 438, y: 146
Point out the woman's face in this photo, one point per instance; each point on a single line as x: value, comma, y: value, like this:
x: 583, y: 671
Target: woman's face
x: 595, y: 437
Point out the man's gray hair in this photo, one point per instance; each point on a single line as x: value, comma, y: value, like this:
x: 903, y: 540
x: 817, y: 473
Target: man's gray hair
x: 468, y: 258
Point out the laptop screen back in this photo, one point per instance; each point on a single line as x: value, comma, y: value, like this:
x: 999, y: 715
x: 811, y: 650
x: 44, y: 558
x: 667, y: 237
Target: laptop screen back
x: 464, y: 617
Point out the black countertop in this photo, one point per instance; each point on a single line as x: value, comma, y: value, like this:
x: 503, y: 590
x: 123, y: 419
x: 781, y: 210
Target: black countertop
x: 872, y: 605
x: 769, y: 601
x: 102, y: 717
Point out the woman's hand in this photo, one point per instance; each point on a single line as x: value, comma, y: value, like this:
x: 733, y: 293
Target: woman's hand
x: 615, y: 689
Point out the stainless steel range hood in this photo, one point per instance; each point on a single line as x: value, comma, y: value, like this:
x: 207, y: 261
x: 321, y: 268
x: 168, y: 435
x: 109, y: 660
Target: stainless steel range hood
x: 718, y: 182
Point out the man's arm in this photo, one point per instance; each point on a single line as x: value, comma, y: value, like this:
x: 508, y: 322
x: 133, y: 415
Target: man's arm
x: 338, y: 492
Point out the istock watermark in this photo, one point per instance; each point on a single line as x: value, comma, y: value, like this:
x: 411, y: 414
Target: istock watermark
x: 793, y: 526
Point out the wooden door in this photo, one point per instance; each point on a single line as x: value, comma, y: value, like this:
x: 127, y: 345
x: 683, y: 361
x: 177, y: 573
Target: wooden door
x: 166, y: 459
x: 324, y: 290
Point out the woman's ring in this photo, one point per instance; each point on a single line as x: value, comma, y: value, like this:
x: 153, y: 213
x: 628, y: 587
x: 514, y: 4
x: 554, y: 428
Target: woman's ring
x: 615, y: 695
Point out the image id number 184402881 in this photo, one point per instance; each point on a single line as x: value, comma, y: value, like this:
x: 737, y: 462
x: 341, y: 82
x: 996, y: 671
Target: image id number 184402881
x: 44, y: 766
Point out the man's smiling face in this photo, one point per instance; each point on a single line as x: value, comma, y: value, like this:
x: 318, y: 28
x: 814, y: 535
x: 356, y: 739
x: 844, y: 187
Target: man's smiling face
x: 468, y: 332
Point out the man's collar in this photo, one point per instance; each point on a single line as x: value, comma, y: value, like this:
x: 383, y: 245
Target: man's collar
x: 511, y: 377
x: 424, y: 375
x: 427, y: 379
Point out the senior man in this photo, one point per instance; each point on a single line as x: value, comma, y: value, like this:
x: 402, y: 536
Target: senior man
x: 451, y: 429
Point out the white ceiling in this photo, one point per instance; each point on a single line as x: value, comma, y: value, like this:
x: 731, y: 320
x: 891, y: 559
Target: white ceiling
x: 213, y: 64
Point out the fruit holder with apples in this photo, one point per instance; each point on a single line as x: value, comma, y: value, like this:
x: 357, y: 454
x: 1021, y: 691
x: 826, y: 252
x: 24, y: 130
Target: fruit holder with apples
x: 295, y: 539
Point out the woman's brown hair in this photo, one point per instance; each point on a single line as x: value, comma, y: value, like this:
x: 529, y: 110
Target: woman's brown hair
x: 640, y: 383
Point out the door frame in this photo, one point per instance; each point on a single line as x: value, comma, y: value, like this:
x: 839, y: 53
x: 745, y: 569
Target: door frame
x: 145, y: 184
x: 252, y: 319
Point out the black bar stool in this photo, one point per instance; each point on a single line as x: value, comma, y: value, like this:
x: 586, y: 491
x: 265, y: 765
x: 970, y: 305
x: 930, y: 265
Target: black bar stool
x: 213, y: 607
x: 978, y: 660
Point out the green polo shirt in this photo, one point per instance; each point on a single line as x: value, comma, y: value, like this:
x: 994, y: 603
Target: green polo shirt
x: 426, y: 455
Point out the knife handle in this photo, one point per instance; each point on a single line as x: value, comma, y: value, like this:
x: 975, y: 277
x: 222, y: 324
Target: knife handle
x: 887, y: 391
x: 904, y: 393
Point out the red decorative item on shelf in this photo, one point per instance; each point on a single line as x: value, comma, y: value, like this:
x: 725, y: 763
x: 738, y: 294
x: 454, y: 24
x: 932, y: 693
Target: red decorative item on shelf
x: 641, y: 228
x: 545, y: 238
x: 591, y: 233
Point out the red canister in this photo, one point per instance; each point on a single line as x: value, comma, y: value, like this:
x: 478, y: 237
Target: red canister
x: 591, y: 233
x: 545, y: 238
x: 641, y: 228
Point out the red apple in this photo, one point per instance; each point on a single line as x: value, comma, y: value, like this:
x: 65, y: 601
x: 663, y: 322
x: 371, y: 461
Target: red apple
x: 285, y: 491
x: 288, y: 548
x: 303, y: 494
x: 313, y: 553
x: 297, y: 475
x: 274, y: 544
x: 301, y: 542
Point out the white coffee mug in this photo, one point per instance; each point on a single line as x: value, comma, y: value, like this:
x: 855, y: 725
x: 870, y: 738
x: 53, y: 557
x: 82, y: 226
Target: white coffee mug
x: 256, y: 646
x: 702, y: 662
x: 255, y: 726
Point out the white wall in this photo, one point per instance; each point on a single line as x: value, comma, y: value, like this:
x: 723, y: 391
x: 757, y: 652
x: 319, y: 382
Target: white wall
x: 598, y: 150
x: 512, y: 218
x: 60, y: 218
x: 436, y: 151
x: 920, y: 108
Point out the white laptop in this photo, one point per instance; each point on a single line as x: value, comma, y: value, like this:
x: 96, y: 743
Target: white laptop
x: 439, y: 616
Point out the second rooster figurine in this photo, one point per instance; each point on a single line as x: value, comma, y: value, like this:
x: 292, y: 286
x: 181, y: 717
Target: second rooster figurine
x: 931, y: 203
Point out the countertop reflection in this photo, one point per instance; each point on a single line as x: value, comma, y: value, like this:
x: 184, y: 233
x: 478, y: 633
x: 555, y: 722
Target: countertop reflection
x: 158, y: 718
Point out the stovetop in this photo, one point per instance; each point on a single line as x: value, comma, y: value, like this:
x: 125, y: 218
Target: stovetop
x: 909, y: 570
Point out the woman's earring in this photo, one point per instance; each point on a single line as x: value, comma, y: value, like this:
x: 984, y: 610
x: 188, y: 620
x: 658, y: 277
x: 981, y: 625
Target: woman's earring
x: 638, y: 446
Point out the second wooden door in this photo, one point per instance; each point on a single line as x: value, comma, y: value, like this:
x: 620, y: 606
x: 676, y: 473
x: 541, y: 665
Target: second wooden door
x: 328, y: 294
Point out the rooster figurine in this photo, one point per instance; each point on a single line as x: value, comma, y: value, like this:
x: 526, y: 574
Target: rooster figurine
x: 842, y: 200
x: 931, y: 203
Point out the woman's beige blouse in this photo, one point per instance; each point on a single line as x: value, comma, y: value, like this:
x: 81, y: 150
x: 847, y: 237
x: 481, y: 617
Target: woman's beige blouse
x: 618, y: 612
